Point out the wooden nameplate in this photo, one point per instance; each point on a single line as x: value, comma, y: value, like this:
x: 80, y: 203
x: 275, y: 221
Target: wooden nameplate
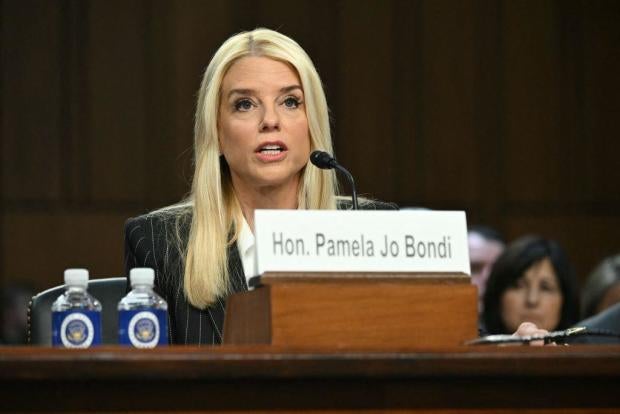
x: 355, y: 310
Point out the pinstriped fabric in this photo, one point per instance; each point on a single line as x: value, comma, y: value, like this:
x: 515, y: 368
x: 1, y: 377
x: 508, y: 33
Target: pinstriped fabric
x: 145, y: 245
x: 200, y: 330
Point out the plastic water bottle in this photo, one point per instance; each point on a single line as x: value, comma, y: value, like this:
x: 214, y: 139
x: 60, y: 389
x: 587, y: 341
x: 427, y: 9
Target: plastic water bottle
x: 142, y: 314
x: 76, y: 315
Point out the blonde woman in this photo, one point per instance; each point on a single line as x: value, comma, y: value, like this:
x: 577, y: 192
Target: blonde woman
x: 261, y: 111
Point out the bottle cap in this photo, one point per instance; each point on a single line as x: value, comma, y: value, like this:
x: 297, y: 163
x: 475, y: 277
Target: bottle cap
x: 141, y: 276
x: 76, y: 277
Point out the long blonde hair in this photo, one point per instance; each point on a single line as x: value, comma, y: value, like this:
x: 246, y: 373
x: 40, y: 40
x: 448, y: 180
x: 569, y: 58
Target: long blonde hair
x: 214, y: 208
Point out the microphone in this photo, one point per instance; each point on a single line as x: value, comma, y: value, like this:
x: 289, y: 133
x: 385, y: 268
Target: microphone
x: 324, y: 161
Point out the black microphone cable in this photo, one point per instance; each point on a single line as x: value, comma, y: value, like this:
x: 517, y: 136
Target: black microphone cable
x: 555, y: 336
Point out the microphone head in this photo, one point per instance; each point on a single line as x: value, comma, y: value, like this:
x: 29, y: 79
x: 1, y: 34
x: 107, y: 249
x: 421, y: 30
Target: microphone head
x: 322, y: 160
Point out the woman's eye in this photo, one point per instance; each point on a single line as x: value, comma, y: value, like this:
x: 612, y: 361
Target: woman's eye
x: 291, y: 102
x: 243, y: 105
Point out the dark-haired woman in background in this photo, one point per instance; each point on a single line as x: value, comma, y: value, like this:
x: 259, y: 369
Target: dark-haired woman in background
x: 532, y: 281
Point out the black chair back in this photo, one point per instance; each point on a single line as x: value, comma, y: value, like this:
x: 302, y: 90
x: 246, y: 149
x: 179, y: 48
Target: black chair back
x: 108, y: 291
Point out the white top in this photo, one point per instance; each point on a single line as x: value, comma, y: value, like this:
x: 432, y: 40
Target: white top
x: 142, y: 276
x: 76, y: 277
x: 246, y: 243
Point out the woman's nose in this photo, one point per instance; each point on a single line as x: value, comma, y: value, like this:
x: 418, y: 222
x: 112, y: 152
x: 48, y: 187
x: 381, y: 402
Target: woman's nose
x: 532, y: 296
x: 271, y: 119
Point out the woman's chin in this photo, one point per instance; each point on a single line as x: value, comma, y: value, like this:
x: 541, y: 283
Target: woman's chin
x: 277, y: 176
x: 276, y: 179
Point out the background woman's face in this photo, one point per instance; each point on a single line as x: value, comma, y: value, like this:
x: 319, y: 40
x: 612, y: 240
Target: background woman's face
x: 262, y: 123
x: 535, y: 297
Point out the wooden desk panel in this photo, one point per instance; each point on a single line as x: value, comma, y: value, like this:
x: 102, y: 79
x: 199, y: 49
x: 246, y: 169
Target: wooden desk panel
x: 261, y: 378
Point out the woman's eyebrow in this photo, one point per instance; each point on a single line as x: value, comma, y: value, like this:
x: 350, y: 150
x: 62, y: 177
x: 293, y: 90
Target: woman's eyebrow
x: 290, y: 88
x: 241, y: 92
x: 244, y: 91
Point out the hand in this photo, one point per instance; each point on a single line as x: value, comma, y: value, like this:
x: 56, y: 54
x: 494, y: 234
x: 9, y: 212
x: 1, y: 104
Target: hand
x: 529, y: 329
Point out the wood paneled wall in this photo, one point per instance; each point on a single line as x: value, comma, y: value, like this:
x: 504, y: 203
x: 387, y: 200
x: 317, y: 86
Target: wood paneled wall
x: 507, y: 109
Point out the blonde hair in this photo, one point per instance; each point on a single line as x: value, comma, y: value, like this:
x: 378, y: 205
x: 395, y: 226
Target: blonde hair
x: 214, y: 208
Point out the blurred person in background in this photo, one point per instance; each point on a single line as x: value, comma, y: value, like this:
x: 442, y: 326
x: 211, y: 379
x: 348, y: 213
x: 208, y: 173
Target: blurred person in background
x: 485, y: 246
x: 15, y: 300
x: 600, y: 299
x: 602, y: 288
x: 531, y: 281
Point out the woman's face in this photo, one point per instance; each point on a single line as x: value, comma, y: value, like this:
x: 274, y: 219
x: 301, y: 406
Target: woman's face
x: 535, y: 297
x: 263, y: 128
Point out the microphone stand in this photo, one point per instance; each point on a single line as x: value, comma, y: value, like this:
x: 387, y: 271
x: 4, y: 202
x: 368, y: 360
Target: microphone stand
x: 351, y: 181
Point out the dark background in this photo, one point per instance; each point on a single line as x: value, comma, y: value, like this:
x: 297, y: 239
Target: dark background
x: 506, y: 109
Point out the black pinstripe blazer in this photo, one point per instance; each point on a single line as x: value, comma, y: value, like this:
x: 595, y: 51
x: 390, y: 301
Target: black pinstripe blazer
x: 146, y: 246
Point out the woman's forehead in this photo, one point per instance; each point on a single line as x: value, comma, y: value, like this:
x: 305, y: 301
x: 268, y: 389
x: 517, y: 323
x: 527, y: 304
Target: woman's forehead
x: 251, y: 72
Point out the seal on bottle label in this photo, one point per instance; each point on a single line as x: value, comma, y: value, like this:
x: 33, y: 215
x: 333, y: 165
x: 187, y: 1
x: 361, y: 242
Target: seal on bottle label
x: 77, y: 331
x: 143, y: 330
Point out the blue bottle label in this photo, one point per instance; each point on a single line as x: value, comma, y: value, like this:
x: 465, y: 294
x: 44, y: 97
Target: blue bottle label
x: 143, y: 328
x: 76, y: 328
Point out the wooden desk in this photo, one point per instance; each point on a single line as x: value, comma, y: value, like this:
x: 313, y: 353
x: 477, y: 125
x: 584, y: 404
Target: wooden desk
x: 263, y: 378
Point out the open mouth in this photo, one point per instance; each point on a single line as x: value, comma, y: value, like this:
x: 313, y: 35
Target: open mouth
x: 271, y: 149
